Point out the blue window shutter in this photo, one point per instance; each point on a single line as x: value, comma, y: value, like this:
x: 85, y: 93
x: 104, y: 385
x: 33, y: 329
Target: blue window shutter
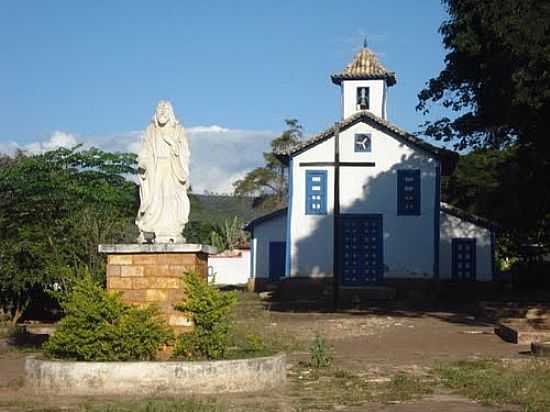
x: 316, y: 192
x: 408, y: 192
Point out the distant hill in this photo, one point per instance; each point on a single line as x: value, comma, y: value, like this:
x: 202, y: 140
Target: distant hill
x: 215, y: 209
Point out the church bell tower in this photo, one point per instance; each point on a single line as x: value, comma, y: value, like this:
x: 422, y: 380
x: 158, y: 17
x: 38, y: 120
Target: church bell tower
x: 364, y: 83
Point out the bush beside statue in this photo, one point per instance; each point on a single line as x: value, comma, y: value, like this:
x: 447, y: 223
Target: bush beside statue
x: 98, y: 326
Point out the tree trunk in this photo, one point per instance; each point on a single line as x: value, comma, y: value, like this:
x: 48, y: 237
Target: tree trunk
x: 16, y: 315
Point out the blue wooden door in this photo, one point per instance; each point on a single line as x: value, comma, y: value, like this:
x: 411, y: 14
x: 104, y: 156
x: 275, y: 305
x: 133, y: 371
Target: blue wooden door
x: 277, y: 253
x: 464, y: 258
x: 361, y: 249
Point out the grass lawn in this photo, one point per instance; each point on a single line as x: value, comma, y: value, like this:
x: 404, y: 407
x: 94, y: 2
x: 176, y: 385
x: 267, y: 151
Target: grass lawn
x: 497, y: 382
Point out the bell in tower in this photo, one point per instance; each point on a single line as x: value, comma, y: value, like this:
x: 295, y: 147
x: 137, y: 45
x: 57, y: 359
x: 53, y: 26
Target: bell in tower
x: 362, y: 98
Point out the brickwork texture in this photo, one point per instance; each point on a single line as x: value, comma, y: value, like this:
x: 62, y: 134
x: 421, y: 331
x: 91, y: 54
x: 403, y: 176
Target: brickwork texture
x: 155, y: 278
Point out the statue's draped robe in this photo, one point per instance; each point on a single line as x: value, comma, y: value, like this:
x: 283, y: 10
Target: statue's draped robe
x: 164, y: 178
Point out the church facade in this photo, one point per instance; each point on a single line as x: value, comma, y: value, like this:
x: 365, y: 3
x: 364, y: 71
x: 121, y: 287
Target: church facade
x: 364, y: 201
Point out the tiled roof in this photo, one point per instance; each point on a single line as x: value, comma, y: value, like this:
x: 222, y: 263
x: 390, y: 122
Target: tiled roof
x: 250, y: 225
x: 365, y: 66
x: 468, y: 217
x: 371, y: 118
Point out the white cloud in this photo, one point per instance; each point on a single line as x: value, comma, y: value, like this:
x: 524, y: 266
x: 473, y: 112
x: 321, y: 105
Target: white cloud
x: 219, y: 155
x: 208, y: 129
x: 57, y: 139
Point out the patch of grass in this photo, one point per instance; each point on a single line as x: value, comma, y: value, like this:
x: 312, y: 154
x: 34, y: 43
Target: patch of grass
x: 329, y: 388
x: 160, y: 405
x: 494, y: 382
x: 404, y: 387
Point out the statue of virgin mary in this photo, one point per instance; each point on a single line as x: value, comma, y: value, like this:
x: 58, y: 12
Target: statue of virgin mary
x: 163, y: 166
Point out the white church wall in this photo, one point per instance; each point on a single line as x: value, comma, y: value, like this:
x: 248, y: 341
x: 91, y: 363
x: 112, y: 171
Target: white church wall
x: 408, y: 240
x: 377, y: 96
x: 454, y: 227
x: 311, y: 235
x: 230, y: 270
x: 272, y: 230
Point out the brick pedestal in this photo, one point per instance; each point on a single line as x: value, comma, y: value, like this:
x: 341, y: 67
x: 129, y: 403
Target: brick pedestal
x: 153, y: 273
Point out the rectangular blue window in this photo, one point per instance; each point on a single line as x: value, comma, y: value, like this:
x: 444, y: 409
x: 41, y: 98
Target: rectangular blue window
x: 316, y: 192
x: 408, y: 192
x: 363, y: 142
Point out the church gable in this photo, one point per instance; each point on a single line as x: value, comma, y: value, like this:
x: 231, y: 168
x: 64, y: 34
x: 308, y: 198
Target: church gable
x: 375, y: 123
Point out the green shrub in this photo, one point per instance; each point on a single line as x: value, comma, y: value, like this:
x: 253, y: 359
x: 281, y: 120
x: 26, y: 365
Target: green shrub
x: 98, y: 326
x: 320, y: 353
x: 210, y: 310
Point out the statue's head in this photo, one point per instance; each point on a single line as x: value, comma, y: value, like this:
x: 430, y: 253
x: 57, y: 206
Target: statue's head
x: 164, y: 115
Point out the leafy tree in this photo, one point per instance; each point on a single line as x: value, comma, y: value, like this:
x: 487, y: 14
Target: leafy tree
x: 482, y: 183
x: 24, y: 267
x: 197, y: 231
x: 270, y: 182
x: 228, y: 236
x: 497, y: 82
x: 54, y: 210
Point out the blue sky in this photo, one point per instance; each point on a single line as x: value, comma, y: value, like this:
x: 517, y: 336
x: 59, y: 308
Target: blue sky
x: 234, y: 70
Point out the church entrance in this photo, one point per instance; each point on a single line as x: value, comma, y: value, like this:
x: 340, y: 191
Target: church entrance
x: 361, y: 252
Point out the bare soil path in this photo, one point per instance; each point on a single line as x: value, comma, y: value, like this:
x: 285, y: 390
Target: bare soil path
x: 375, y: 344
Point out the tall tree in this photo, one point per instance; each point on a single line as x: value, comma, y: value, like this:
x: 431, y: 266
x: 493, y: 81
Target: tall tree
x: 270, y: 182
x: 54, y: 210
x: 497, y: 81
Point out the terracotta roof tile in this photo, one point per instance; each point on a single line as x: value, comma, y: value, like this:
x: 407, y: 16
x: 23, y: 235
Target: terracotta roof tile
x: 365, y: 66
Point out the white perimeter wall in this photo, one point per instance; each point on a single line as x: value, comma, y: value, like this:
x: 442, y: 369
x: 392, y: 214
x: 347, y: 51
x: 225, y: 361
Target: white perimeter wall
x: 454, y: 227
x: 273, y: 230
x: 230, y: 270
x: 408, y: 240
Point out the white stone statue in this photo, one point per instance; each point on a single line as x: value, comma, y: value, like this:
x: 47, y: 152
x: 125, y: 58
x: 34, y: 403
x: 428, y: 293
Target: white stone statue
x: 163, y: 165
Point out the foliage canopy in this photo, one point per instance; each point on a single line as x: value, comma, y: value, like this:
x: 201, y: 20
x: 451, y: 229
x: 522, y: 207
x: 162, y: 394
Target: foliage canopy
x: 497, y: 82
x: 55, y: 208
x: 270, y: 182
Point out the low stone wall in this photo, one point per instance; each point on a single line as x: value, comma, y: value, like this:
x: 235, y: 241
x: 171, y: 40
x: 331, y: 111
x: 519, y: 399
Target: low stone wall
x: 154, y: 378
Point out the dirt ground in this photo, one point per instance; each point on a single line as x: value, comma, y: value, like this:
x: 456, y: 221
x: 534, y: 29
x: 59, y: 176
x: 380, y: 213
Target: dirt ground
x: 375, y: 343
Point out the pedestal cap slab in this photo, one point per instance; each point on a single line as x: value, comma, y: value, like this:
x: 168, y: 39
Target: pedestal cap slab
x: 136, y: 248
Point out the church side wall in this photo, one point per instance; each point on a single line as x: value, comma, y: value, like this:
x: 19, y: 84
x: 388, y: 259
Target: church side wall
x: 273, y: 230
x: 454, y: 227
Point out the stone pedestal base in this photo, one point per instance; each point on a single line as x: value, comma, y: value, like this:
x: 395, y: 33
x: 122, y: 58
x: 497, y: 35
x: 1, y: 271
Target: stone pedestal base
x: 153, y: 273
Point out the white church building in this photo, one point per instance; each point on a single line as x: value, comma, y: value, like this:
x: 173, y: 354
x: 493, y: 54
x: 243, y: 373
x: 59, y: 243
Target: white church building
x: 364, y: 202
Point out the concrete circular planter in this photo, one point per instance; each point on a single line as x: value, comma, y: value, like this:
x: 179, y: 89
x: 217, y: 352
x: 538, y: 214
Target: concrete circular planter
x: 154, y: 378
